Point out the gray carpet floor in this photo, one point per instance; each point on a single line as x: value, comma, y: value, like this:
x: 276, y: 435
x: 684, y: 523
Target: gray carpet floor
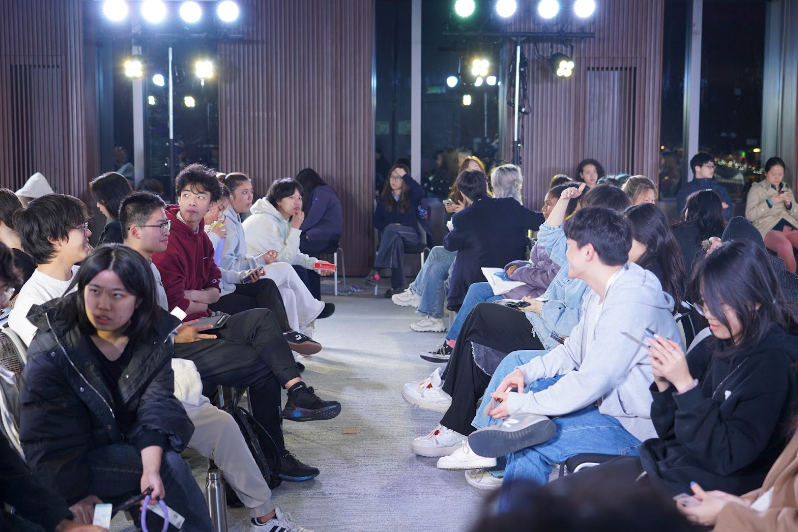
x: 370, y: 481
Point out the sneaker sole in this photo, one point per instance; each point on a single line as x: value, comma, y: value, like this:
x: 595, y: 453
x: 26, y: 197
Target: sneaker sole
x: 493, y: 443
x: 429, y: 357
x: 487, y: 486
x: 298, y: 479
x: 404, y: 303
x: 304, y: 414
x: 434, y: 452
x: 428, y: 330
x: 442, y: 408
x: 305, y: 348
x: 485, y: 463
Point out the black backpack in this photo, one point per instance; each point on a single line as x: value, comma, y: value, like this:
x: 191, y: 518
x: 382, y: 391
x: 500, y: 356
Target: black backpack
x: 260, y: 444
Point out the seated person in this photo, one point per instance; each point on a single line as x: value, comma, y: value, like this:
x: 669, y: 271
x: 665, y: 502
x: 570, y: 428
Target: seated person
x: 35, y: 187
x: 770, y: 208
x: 723, y: 413
x: 9, y: 205
x: 703, y: 166
x: 321, y: 229
x: 640, y: 189
x: 274, y: 226
x: 701, y: 219
x: 589, y: 171
x: 88, y: 436
x: 396, y: 217
x: 109, y: 190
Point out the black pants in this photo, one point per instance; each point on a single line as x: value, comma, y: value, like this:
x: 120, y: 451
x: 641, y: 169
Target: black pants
x: 250, y: 351
x: 315, y: 247
x: 496, y: 326
x: 260, y: 294
x: 311, y: 279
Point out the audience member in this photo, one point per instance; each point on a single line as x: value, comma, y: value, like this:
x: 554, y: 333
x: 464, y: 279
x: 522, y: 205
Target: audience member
x: 559, y: 179
x: 321, y: 229
x: 440, y: 183
x: 455, y: 199
x: 589, y: 171
x: 151, y: 185
x: 274, y: 226
x: 770, y: 208
x: 9, y: 205
x: 109, y: 190
x: 700, y: 220
x: 703, y: 166
x: 35, y: 187
x: 83, y: 433
x: 640, y: 189
x: 669, y: 173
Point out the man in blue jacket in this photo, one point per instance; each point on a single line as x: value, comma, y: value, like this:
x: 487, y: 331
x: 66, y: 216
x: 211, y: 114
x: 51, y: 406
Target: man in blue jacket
x: 703, y: 165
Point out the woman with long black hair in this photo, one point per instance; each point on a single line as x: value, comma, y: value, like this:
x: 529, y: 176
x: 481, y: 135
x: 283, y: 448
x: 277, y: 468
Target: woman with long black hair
x: 109, y: 190
x: 321, y: 228
x: 701, y: 219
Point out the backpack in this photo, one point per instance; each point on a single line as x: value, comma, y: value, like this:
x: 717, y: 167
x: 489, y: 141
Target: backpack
x: 260, y: 444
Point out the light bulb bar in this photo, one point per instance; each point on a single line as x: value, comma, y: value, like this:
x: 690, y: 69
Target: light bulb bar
x: 156, y: 11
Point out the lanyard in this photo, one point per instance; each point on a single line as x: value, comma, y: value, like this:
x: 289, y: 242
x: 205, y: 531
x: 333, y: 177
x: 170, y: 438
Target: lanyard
x: 144, y: 514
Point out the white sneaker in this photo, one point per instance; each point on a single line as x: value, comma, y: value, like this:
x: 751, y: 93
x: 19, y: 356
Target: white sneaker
x: 439, y: 442
x: 429, y: 324
x: 279, y: 523
x: 428, y: 394
x: 465, y: 458
x: 481, y: 479
x: 406, y: 299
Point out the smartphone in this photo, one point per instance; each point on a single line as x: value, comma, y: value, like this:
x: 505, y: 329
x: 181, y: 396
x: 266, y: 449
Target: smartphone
x: 686, y: 500
x: 493, y: 403
x: 557, y: 338
x: 516, y: 304
x: 131, y: 502
x: 216, y: 321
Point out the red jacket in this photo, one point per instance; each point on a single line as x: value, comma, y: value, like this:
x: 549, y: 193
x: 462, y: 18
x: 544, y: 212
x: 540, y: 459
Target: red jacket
x: 187, y: 263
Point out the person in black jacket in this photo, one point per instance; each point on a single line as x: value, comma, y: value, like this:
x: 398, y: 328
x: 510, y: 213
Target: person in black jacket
x: 397, y: 218
x: 99, y: 420
x: 109, y: 190
x: 701, y: 219
x: 491, y: 233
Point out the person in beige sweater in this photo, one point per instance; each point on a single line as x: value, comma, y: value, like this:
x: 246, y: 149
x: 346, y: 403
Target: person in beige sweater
x: 770, y: 208
x: 771, y: 508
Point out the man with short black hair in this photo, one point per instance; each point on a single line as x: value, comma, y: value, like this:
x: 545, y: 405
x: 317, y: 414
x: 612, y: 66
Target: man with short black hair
x: 703, y: 166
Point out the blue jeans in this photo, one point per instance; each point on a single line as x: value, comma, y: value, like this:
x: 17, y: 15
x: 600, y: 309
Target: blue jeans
x: 430, y: 280
x: 585, y: 431
x: 477, y: 293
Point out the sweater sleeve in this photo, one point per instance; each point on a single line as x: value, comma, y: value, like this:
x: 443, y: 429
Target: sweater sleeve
x: 739, y: 518
x: 380, y: 217
x: 454, y: 240
x: 552, y: 238
x: 231, y: 261
x: 725, y: 198
x: 171, y: 266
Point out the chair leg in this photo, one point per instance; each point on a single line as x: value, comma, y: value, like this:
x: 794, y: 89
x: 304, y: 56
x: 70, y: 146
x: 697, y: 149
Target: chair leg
x: 422, y: 258
x: 343, y: 265
x: 335, y: 273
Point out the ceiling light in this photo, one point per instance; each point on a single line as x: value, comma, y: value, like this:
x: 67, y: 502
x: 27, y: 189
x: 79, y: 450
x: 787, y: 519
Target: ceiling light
x: 479, y: 67
x: 451, y: 81
x: 466, y: 99
x: 584, y: 8
x: 115, y: 10
x: 133, y: 68
x: 464, y: 8
x: 151, y: 100
x: 506, y: 8
x: 190, y: 12
x: 159, y: 80
x: 562, y: 65
x: 478, y: 82
x: 227, y: 11
x: 153, y: 11
x: 204, y: 69
x: 491, y: 80
x: 189, y: 101
x: 548, y: 8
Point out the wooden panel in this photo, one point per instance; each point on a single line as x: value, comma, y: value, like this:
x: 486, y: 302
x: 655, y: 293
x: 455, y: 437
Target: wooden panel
x: 297, y: 93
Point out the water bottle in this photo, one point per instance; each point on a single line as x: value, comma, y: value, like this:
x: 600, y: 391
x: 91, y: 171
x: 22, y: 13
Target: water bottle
x: 217, y: 502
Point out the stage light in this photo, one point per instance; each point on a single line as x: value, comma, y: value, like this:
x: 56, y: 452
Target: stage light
x: 491, y: 80
x: 133, y: 68
x: 189, y: 101
x: 584, y: 8
x: 151, y: 100
x: 227, y: 11
x: 757, y: 150
x: 548, y: 8
x: 506, y: 8
x: 479, y: 67
x: 478, y: 82
x: 190, y: 12
x: 464, y: 8
x: 204, y: 69
x: 466, y: 99
x: 153, y: 11
x: 159, y: 80
x: 115, y: 10
x: 562, y: 65
x: 451, y: 81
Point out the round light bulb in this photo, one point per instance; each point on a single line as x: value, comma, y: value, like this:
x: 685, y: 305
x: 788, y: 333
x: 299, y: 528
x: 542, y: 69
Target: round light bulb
x: 506, y: 8
x: 464, y: 8
x: 159, y: 80
x: 584, y: 8
x: 191, y: 12
x: 548, y: 8
x: 115, y: 10
x: 227, y: 11
x: 153, y: 11
x: 451, y: 81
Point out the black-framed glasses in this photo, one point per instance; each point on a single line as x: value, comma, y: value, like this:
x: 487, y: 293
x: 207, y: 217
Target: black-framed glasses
x: 164, y: 227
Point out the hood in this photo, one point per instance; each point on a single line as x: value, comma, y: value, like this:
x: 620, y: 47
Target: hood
x: 636, y: 285
x: 232, y: 216
x: 177, y: 225
x: 262, y: 206
x: 35, y: 187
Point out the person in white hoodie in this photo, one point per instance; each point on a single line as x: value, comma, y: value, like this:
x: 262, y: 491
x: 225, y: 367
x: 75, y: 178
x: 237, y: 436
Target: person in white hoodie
x: 597, y: 382
x: 35, y: 187
x: 274, y: 225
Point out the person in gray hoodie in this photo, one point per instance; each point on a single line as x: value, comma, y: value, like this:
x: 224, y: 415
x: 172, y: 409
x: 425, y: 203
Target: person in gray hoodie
x: 597, y: 381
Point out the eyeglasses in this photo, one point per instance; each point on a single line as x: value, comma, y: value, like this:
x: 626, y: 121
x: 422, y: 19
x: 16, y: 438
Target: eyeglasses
x: 82, y: 227
x: 709, y: 165
x: 164, y: 227
x: 6, y: 295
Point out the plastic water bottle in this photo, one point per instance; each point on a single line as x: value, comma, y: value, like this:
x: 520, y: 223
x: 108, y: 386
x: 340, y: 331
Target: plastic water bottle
x: 217, y: 501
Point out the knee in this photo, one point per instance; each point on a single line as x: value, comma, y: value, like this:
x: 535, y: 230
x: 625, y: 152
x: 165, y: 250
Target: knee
x: 172, y: 461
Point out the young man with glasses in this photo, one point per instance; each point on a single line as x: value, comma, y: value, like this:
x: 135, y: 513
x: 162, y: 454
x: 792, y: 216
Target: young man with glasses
x: 703, y: 165
x: 54, y: 230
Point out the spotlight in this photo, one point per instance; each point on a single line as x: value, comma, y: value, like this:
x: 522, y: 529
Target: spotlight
x: 491, y: 80
x: 479, y: 67
x: 466, y: 99
x: 506, y: 8
x: 227, y: 11
x: 153, y: 11
x: 548, y: 8
x: 133, y: 68
x: 478, y: 82
x: 190, y: 12
x: 115, y: 10
x: 584, y: 8
x: 451, y: 81
x: 159, y: 80
x: 189, y: 101
x: 562, y: 65
x: 204, y: 69
x: 464, y: 8
x: 151, y: 100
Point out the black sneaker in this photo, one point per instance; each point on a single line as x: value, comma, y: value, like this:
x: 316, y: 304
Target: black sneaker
x: 304, y: 345
x: 329, y: 310
x: 442, y: 354
x: 300, y: 366
x: 292, y: 470
x: 304, y: 405
x: 394, y: 291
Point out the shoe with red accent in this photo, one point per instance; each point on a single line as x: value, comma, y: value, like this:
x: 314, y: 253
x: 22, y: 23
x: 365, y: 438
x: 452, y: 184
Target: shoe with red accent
x: 439, y: 442
x: 428, y: 394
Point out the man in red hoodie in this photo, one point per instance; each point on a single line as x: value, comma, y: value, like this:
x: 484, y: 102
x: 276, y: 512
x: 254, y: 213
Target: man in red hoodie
x: 249, y: 340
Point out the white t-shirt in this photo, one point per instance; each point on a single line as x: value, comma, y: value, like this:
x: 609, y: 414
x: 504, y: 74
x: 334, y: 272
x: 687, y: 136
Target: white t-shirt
x: 39, y: 289
x: 159, y: 289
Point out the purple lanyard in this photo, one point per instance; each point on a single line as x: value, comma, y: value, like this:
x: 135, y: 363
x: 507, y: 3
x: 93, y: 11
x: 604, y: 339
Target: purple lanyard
x: 144, y: 514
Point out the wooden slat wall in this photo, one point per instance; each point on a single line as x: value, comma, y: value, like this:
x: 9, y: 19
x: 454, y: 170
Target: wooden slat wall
x: 297, y: 93
x: 42, y: 112
x: 609, y: 110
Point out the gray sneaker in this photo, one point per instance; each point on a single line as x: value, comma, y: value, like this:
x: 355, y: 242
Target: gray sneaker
x: 515, y: 433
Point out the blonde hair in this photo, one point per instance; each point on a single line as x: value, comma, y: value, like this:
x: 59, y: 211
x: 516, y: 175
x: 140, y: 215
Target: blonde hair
x: 636, y: 185
x: 507, y: 181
